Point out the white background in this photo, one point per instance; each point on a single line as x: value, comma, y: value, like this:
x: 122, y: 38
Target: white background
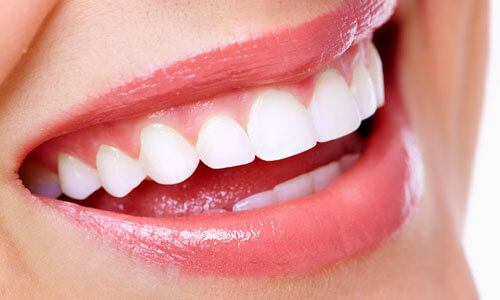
x: 482, y: 232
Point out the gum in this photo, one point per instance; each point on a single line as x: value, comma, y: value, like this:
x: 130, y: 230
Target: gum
x: 186, y: 119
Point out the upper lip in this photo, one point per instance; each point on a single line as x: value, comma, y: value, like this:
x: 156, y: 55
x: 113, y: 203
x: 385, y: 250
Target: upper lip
x: 284, y: 56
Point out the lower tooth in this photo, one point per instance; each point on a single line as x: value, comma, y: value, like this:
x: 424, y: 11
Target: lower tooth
x: 255, y: 201
x: 325, y: 175
x: 294, y: 188
x: 347, y: 161
x: 40, y: 180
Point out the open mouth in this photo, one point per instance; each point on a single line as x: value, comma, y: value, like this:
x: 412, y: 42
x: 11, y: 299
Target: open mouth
x: 272, y: 156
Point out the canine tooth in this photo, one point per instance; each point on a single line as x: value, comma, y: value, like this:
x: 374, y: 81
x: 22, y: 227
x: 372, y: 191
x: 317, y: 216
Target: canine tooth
x: 325, y: 175
x: 77, y: 179
x: 333, y: 109
x: 255, y: 201
x: 347, y: 161
x: 223, y: 143
x: 118, y: 173
x: 40, y: 180
x: 166, y: 156
x: 294, y: 188
x: 279, y: 126
x: 376, y: 73
x: 363, y: 90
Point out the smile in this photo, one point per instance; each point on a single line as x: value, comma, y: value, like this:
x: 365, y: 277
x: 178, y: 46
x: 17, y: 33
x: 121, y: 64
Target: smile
x: 272, y: 156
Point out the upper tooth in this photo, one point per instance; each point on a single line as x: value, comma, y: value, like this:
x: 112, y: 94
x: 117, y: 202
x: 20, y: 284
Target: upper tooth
x: 223, y: 143
x: 77, y: 179
x: 377, y: 74
x: 325, y: 175
x: 279, y: 126
x: 333, y: 108
x: 118, y: 173
x: 294, y: 188
x: 166, y: 156
x: 363, y: 90
x: 40, y: 180
x: 255, y: 201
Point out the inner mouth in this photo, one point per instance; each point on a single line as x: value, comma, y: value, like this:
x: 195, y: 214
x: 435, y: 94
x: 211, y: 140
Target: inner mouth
x: 242, y: 150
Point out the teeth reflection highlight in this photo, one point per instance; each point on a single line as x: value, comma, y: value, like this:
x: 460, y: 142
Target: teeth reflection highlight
x: 363, y: 90
x: 118, y: 173
x: 77, y: 179
x: 279, y: 126
x: 166, y: 156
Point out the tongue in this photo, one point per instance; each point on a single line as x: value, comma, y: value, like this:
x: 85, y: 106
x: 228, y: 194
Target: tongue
x: 209, y: 189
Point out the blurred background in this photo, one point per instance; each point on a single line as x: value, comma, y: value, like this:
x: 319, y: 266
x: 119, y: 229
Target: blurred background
x: 482, y: 231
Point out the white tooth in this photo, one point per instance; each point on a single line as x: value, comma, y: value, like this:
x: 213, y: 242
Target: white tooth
x: 166, y: 156
x: 255, y: 201
x: 118, y: 173
x: 223, y: 143
x: 77, y: 179
x: 40, y: 180
x: 325, y: 175
x: 376, y: 73
x: 363, y: 90
x: 347, y: 161
x: 279, y: 126
x: 333, y: 108
x: 294, y: 188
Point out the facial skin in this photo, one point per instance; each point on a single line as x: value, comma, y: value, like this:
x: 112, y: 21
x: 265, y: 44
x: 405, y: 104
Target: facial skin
x: 84, y: 46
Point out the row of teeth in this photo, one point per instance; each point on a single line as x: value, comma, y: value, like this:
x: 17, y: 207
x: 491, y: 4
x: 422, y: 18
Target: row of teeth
x: 300, y: 186
x: 279, y: 126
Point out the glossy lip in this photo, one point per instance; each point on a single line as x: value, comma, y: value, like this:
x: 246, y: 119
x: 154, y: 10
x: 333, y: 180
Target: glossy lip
x: 355, y: 213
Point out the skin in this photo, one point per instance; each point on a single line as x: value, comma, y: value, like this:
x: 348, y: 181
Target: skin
x: 83, y: 46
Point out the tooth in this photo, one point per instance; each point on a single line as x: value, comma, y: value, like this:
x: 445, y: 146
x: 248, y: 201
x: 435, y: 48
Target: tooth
x: 40, y: 180
x: 376, y: 73
x: 347, y: 161
x: 222, y: 143
x: 333, y: 109
x: 255, y: 201
x: 77, y: 179
x: 325, y: 175
x: 118, y: 173
x: 166, y: 156
x: 279, y: 126
x: 363, y: 91
x: 294, y: 188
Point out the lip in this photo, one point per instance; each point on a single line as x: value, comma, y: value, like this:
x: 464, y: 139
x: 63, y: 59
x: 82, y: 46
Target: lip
x: 355, y: 213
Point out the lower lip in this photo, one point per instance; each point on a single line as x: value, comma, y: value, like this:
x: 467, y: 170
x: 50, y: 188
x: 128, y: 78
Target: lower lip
x: 355, y: 213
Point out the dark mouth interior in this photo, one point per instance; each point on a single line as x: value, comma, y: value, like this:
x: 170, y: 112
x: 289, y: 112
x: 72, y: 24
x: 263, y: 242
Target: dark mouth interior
x: 220, y: 189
